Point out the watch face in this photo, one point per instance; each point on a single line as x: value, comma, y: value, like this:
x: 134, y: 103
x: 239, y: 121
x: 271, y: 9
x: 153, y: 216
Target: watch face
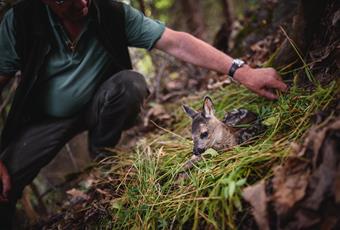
x: 238, y: 62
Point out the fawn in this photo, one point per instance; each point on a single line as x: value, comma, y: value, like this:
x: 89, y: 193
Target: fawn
x: 209, y: 132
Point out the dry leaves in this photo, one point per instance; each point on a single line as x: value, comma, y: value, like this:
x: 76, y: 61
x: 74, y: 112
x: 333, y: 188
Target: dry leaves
x: 159, y: 115
x: 256, y: 196
x: 306, y: 189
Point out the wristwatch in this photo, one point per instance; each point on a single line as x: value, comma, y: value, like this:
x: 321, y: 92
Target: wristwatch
x: 237, y: 63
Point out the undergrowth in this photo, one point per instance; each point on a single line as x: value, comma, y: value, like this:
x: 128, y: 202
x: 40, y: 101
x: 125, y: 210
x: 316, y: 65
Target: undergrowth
x: 150, y: 196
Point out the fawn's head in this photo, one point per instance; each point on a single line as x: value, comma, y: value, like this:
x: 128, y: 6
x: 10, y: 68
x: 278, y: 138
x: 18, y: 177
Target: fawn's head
x: 207, y: 130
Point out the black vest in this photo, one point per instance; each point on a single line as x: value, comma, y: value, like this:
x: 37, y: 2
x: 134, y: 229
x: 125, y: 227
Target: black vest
x: 34, y: 40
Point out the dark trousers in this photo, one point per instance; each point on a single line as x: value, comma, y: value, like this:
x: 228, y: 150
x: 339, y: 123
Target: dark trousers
x: 114, y: 107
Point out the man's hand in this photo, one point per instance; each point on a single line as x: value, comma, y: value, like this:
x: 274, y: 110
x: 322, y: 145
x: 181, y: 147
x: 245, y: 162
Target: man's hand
x: 261, y: 81
x: 5, y: 183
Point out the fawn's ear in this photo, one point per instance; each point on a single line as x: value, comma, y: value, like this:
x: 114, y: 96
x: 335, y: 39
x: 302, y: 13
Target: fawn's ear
x: 191, y: 112
x: 208, y: 107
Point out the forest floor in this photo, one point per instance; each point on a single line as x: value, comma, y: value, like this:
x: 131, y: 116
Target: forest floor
x: 138, y: 186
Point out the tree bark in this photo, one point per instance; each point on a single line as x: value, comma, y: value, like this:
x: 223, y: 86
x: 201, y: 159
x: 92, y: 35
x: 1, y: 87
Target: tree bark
x: 193, y: 12
x: 222, y: 37
x: 305, y: 24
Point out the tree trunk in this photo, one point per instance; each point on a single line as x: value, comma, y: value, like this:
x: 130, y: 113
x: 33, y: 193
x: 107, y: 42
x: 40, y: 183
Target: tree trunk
x: 222, y: 37
x: 305, y: 24
x: 193, y: 13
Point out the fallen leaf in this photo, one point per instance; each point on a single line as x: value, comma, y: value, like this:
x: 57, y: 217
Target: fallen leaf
x: 210, y: 152
x: 157, y: 113
x: 289, y: 188
x: 256, y: 196
x: 270, y: 121
x: 75, y: 193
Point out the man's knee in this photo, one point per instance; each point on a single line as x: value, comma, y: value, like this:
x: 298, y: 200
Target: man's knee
x: 122, y: 94
x: 132, y: 82
x: 128, y: 87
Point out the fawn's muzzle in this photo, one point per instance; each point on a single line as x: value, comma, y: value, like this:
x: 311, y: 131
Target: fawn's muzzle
x: 198, y: 151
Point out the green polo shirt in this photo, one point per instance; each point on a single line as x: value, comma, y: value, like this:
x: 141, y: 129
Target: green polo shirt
x: 72, y: 76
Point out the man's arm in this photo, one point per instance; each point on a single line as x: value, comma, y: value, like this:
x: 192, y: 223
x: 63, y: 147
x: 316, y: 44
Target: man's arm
x: 192, y: 50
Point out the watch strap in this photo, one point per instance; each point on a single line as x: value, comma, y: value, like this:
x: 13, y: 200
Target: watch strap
x: 237, y: 63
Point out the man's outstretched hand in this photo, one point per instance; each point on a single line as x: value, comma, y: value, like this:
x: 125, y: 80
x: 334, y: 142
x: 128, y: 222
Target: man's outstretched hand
x: 195, y: 51
x: 262, y: 81
x: 5, y: 183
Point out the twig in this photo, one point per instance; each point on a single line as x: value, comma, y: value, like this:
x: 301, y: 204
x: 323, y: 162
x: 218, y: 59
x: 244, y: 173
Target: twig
x: 70, y: 153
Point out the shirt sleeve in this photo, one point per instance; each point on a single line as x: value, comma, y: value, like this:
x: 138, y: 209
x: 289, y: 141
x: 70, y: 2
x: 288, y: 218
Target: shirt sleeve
x: 141, y: 31
x: 9, y: 60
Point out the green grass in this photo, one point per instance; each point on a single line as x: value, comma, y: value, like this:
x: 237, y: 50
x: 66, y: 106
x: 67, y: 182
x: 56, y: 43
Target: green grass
x: 149, y: 196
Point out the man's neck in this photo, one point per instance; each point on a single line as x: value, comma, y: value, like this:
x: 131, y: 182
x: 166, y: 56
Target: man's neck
x: 73, y: 29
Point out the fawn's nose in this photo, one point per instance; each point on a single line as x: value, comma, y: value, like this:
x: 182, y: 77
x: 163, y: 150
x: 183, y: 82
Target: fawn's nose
x: 198, y: 151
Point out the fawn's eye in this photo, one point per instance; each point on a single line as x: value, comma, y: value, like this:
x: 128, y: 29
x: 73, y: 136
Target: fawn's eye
x: 204, y: 135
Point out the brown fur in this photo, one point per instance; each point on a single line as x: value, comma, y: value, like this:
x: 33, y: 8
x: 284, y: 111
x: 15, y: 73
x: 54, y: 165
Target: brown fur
x: 208, y: 131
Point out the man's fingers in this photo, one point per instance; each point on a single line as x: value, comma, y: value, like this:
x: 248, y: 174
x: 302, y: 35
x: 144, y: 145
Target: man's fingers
x: 276, y: 81
x: 278, y: 84
x: 263, y: 81
x: 268, y: 94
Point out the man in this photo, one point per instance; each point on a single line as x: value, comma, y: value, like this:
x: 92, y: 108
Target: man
x: 74, y: 63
